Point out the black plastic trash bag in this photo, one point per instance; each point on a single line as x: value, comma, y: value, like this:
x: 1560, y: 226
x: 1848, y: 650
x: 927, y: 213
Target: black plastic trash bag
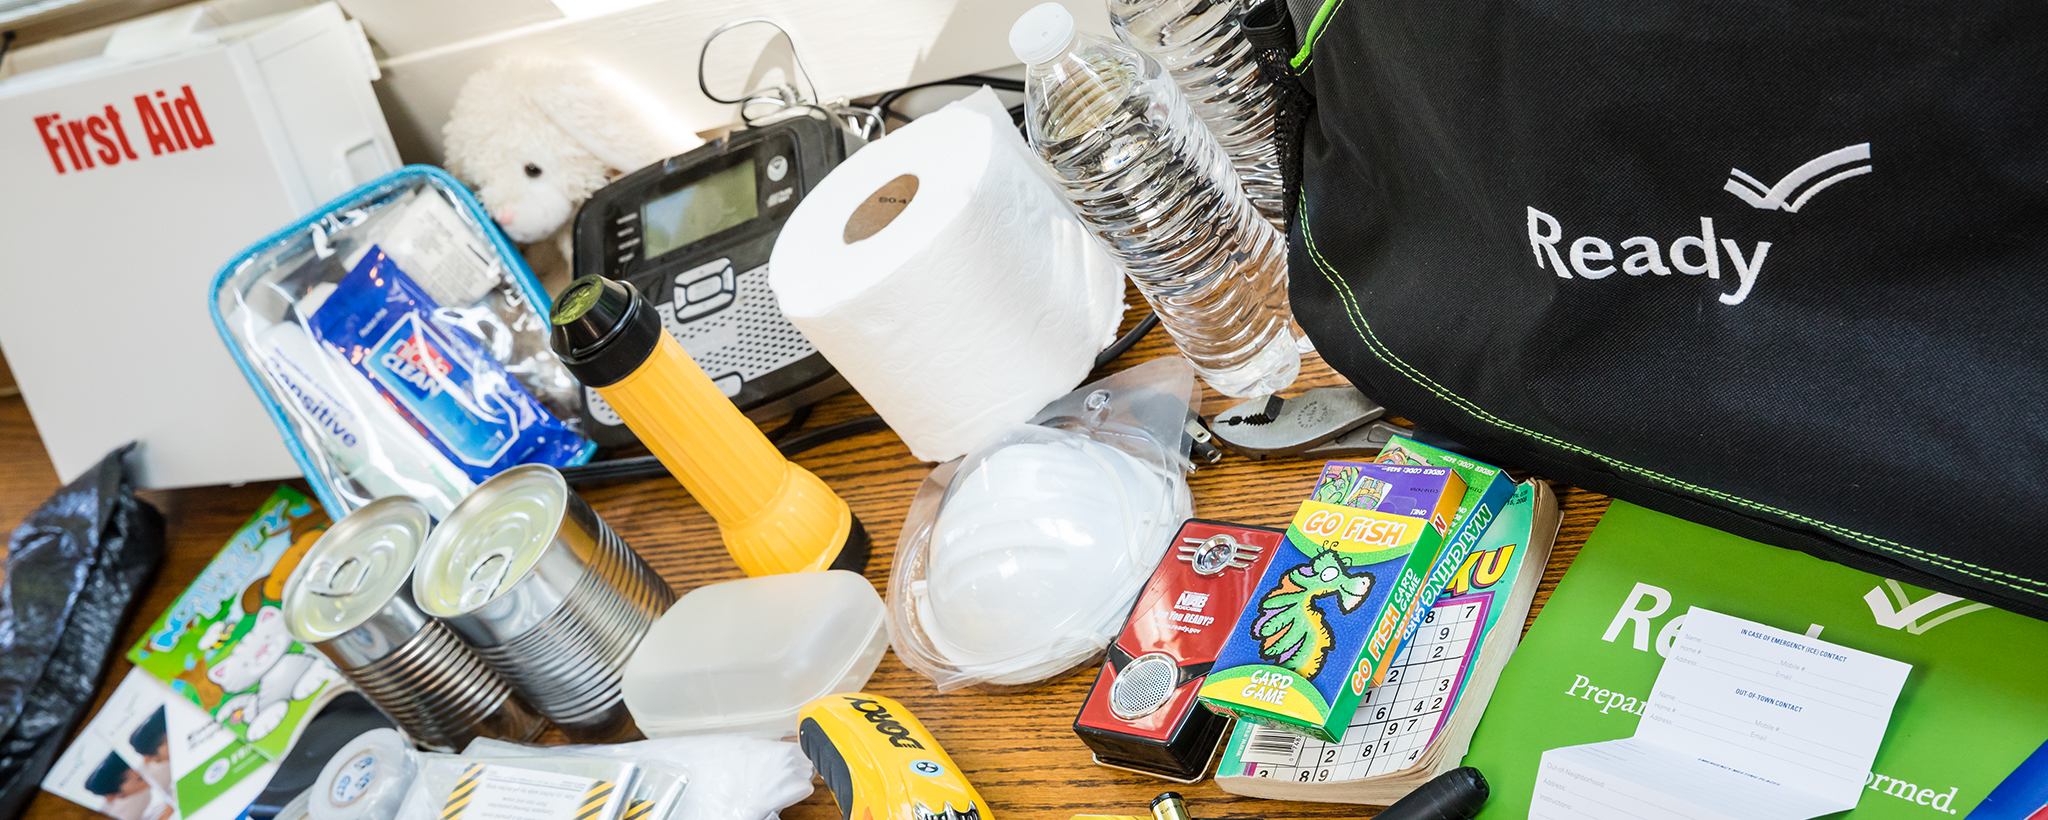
x: 74, y: 569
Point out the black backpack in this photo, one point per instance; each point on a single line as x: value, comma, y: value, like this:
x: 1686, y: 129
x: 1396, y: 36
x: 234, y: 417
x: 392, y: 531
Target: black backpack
x: 1778, y: 268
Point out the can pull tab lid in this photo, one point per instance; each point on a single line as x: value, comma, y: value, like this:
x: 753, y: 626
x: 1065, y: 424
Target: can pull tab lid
x: 484, y: 578
x: 338, y: 579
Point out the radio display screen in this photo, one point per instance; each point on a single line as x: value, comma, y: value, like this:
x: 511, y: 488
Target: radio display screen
x: 710, y: 205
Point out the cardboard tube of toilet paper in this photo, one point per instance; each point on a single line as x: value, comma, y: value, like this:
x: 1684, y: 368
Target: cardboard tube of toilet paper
x: 946, y: 279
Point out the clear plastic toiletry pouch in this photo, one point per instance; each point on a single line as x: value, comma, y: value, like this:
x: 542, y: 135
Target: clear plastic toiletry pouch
x: 1020, y: 560
x: 400, y: 345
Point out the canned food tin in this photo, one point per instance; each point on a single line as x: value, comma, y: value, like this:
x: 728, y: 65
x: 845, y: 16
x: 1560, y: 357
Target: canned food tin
x: 351, y: 598
x: 547, y: 594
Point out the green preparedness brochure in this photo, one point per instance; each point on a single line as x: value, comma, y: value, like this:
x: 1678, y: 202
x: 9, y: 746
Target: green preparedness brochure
x: 1973, y: 707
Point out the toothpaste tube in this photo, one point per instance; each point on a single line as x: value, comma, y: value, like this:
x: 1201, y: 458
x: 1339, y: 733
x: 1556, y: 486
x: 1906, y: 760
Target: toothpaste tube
x: 366, y: 440
x: 446, y: 385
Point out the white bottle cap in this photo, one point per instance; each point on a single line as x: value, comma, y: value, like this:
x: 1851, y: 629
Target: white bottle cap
x: 1042, y: 33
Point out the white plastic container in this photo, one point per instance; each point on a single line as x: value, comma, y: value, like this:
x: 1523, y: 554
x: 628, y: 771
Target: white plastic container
x: 746, y: 655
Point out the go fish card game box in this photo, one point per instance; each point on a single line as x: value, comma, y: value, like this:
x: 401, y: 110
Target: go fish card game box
x: 1329, y: 610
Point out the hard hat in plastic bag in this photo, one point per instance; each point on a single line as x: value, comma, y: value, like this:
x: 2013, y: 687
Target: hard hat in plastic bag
x: 1020, y: 561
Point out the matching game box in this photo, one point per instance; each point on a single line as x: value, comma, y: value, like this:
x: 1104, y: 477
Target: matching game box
x: 1487, y: 491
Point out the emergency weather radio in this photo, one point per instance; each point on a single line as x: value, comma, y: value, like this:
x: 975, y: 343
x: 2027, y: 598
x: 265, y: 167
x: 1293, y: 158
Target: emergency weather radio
x: 693, y: 233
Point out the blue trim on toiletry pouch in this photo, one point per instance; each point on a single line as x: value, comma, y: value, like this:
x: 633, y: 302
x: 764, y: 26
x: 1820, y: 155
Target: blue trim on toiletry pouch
x: 521, y: 277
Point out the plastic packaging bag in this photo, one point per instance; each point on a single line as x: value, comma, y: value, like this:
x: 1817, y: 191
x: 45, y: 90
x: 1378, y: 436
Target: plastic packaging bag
x: 658, y: 790
x: 722, y: 777
x: 1019, y: 561
x: 552, y: 783
x: 74, y: 569
x: 455, y: 381
x: 389, y: 328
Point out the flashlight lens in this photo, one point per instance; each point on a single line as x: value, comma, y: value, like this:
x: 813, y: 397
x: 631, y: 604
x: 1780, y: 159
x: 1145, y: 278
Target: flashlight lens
x: 577, y: 301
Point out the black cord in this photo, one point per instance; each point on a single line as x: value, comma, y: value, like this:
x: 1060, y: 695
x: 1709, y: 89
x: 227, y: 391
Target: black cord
x: 1123, y: 345
x: 797, y: 418
x: 613, y: 469
x: 6, y: 42
x: 830, y: 433
x: 886, y: 102
x: 644, y: 466
x: 997, y: 83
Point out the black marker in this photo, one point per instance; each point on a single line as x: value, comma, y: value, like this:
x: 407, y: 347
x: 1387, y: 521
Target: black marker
x: 1453, y: 795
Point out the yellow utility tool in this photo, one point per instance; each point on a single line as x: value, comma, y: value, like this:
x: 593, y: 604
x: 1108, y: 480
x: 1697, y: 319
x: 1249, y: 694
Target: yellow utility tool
x: 774, y: 515
x: 881, y: 764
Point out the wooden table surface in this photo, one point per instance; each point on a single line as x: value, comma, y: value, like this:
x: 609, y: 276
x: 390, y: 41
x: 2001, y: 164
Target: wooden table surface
x: 1017, y: 748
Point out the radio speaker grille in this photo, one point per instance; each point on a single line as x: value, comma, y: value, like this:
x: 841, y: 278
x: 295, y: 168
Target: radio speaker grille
x: 1143, y: 686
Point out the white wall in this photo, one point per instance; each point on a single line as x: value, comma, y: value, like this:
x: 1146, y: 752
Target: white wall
x: 88, y: 43
x: 851, y: 47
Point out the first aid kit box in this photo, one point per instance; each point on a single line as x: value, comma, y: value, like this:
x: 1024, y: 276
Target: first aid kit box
x: 132, y: 175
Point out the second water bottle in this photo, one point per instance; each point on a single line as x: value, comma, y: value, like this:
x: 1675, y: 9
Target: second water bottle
x: 1151, y: 181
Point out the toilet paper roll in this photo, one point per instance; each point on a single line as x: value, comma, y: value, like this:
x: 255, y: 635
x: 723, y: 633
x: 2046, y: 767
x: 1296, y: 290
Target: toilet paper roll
x: 947, y: 280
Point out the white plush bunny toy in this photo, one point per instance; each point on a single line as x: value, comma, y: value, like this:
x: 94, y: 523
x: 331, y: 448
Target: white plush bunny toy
x: 536, y: 137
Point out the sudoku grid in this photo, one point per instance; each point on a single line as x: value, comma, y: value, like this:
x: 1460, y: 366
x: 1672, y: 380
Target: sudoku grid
x: 1397, y: 719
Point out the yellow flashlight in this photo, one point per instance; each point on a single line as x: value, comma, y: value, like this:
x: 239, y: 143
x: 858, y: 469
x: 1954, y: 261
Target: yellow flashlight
x: 774, y: 515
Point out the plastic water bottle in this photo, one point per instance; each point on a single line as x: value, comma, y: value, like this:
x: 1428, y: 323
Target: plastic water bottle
x: 1203, y: 45
x: 1151, y: 182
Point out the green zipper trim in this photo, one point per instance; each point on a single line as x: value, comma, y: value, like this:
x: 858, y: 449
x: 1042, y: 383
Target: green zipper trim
x: 1306, y: 55
x: 1379, y: 349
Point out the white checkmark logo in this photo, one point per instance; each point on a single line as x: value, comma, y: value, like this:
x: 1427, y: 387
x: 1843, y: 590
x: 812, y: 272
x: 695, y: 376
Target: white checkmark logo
x: 1781, y: 196
x: 1907, y: 614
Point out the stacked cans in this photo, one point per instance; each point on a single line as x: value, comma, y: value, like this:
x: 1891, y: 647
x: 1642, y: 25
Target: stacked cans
x: 351, y: 598
x: 547, y: 595
x: 521, y: 608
